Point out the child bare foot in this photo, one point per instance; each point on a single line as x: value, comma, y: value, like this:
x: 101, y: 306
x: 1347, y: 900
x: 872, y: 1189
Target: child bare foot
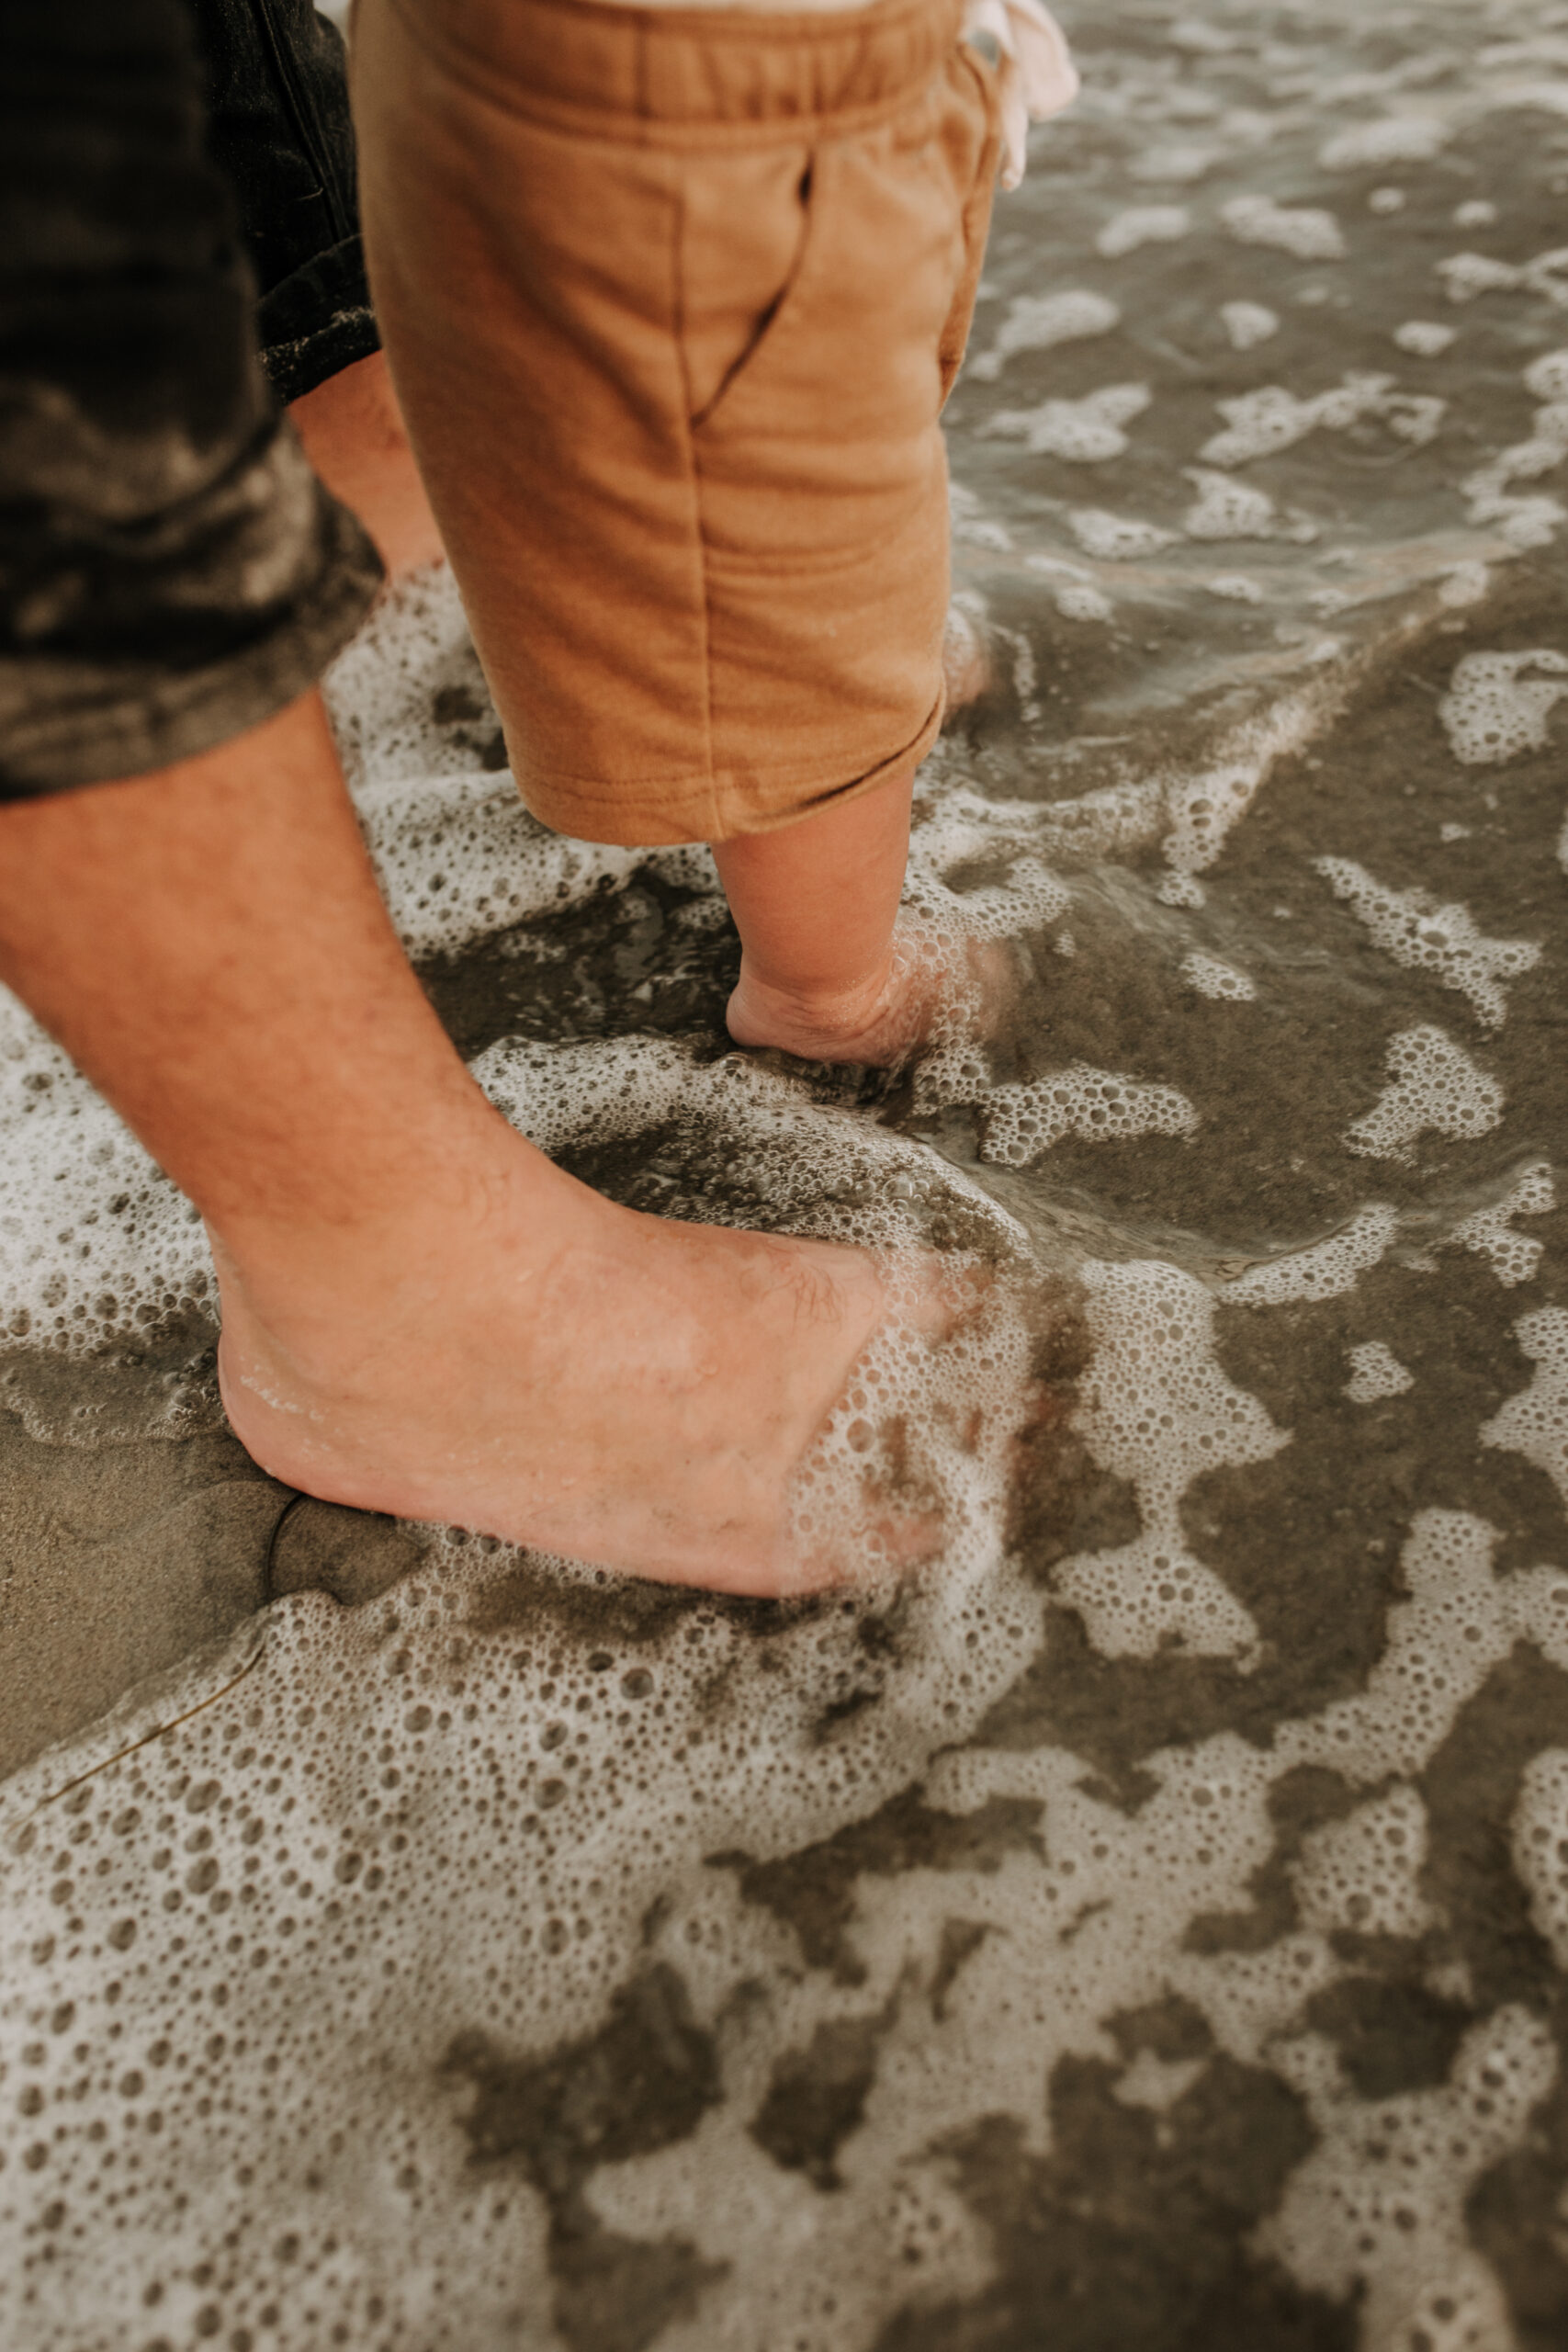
x: 828, y: 971
x: 928, y: 989
x: 565, y: 1374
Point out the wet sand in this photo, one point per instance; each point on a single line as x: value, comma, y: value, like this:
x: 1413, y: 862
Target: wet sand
x: 1149, y: 1928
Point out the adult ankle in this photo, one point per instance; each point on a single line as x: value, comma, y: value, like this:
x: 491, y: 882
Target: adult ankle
x: 317, y: 1280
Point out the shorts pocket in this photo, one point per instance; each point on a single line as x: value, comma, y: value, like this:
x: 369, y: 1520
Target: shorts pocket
x: 745, y: 226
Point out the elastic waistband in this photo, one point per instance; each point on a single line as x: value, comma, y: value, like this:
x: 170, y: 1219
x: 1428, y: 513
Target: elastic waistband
x: 664, y: 76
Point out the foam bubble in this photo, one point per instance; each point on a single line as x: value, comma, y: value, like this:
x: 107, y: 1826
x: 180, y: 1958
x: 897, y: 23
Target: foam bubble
x: 1304, y: 231
x: 1116, y: 538
x: 956, y: 823
x: 406, y: 693
x: 1441, y: 1642
x: 1535, y: 1422
x: 1376, y: 1373
x: 389, y: 1825
x: 460, y: 857
x: 1541, y: 1845
x: 1248, y: 323
x: 1206, y: 803
x: 1325, y: 1269
x: 1221, y: 981
x: 1434, y: 1085
x: 1224, y: 509
x: 1262, y: 422
x: 1157, y: 1410
x: 1362, y: 1876
x: 1167, y: 160
x: 1417, y: 932
x: 1379, y: 2207
x: 1514, y: 1256
x: 95, y: 1244
x: 1423, y: 338
x: 1547, y: 377
x: 1097, y: 1106
x: 972, y: 527
x: 1086, y: 432
x: 948, y: 831
x: 1084, y: 604
x: 1396, y: 138
x: 1142, y: 224
x: 1464, y: 276
x: 822, y: 1169
x: 1492, y: 710
x: 1531, y: 520
x: 512, y: 1861
x: 1465, y: 584
x: 1041, y: 321
x: 1235, y: 587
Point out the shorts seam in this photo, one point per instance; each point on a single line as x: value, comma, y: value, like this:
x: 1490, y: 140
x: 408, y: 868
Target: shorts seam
x: 693, y: 470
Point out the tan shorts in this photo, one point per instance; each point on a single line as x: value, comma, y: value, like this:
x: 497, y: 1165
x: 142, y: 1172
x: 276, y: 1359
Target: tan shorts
x: 672, y: 300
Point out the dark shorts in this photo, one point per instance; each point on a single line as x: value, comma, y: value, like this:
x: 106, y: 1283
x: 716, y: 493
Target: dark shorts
x: 171, y: 573
x: 275, y: 83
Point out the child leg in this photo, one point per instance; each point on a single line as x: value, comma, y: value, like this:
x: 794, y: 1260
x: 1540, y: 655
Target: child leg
x: 815, y: 905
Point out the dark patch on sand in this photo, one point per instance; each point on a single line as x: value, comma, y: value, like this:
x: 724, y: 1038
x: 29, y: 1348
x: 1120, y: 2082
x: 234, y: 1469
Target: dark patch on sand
x: 1392, y: 2035
x: 354, y: 1555
x: 642, y: 2083
x: 814, y: 1891
x: 615, y: 965
x: 1130, y: 2235
x: 817, y: 2096
x: 1471, y: 1788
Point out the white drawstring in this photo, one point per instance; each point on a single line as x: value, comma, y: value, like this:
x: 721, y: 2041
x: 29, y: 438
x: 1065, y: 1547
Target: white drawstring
x: 1037, y: 77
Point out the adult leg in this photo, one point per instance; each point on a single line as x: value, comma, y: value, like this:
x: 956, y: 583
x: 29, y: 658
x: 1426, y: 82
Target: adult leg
x: 278, y: 126
x: 420, y: 1314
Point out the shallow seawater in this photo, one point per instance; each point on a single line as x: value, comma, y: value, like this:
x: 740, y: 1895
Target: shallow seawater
x: 1148, y: 1926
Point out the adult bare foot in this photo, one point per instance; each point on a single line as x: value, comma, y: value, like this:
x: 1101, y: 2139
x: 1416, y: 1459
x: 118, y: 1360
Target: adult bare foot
x: 353, y: 431
x: 421, y: 1313
x: 926, y: 990
x: 537, y: 1364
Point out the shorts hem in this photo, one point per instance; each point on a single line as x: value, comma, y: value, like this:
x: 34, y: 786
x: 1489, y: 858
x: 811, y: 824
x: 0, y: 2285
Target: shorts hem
x: 705, y: 808
x: 317, y: 322
x: 115, y: 720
